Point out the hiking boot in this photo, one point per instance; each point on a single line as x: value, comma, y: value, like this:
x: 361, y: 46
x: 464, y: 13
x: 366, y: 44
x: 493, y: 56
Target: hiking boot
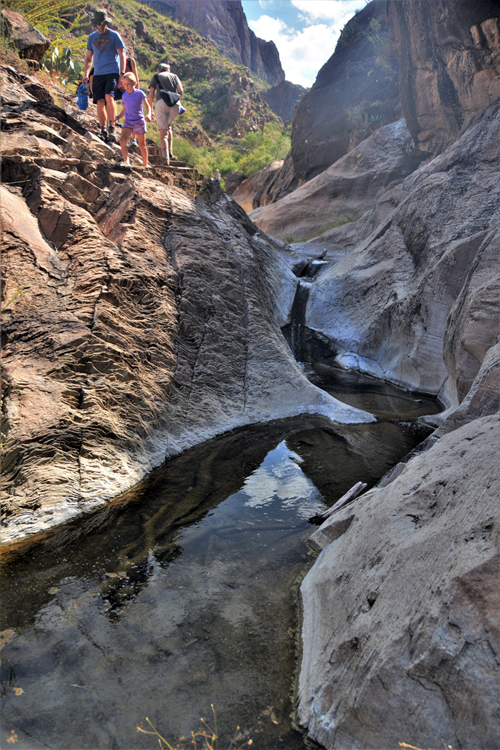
x: 112, y: 137
x: 104, y: 134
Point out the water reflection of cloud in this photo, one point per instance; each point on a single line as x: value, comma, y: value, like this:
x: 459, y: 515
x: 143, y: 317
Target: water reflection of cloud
x: 279, y: 479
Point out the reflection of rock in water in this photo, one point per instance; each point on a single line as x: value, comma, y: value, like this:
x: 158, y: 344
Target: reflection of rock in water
x: 179, y: 594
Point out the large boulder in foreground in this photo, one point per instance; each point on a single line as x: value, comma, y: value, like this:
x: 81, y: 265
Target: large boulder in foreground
x: 449, y: 64
x: 401, y: 641
x: 144, y: 321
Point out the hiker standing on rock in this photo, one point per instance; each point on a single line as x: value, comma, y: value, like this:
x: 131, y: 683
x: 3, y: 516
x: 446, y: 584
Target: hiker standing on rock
x: 105, y: 47
x: 133, y: 101
x: 165, y: 114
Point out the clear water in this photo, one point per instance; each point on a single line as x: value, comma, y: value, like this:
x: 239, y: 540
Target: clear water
x: 179, y: 595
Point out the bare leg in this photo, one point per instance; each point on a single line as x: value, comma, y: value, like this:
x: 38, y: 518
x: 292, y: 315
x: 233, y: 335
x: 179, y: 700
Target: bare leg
x: 170, y: 142
x: 164, y: 144
x: 124, y: 135
x: 144, y: 149
x: 110, y: 108
x: 101, y: 112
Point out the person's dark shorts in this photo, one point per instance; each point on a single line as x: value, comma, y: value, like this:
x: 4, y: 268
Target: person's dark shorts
x: 102, y: 85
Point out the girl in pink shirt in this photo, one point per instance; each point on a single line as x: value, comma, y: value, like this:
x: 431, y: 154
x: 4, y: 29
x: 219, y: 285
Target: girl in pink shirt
x: 133, y: 101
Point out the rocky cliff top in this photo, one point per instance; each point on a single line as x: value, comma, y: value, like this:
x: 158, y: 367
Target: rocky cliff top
x: 224, y: 23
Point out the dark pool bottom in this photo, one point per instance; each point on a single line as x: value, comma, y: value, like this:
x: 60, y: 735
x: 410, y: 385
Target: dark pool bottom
x: 179, y: 595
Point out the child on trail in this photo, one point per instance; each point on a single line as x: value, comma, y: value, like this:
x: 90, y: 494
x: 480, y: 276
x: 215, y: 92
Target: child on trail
x: 133, y: 100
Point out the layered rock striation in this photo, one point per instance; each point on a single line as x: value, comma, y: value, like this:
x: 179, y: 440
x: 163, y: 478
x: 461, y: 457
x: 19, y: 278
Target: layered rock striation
x: 144, y: 320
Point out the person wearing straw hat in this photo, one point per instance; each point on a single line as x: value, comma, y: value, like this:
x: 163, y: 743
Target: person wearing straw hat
x: 106, y: 49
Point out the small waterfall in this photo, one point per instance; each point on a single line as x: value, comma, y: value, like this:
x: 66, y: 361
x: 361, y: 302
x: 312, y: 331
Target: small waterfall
x: 295, y: 331
x: 298, y: 315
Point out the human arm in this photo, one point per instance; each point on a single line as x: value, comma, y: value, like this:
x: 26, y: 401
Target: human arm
x: 147, y: 107
x: 150, y: 102
x: 87, y: 65
x: 133, y: 65
x: 180, y: 90
x: 123, y: 61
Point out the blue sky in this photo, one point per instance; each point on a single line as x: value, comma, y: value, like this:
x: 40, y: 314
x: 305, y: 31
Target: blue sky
x: 304, y: 31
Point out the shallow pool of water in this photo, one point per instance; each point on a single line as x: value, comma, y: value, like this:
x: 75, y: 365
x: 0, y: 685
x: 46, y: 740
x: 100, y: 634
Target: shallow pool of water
x: 178, y: 596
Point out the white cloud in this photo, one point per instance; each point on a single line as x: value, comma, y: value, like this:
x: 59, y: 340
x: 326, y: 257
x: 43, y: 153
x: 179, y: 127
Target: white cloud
x: 303, y: 52
x: 328, y: 10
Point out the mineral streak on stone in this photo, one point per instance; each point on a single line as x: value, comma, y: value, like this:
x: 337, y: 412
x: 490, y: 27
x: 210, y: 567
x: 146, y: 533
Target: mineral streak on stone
x: 449, y: 64
x: 147, y: 321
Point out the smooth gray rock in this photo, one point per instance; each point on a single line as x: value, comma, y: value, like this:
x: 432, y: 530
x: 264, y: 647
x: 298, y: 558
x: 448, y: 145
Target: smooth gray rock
x: 343, y: 192
x: 400, y: 633
x: 416, y: 302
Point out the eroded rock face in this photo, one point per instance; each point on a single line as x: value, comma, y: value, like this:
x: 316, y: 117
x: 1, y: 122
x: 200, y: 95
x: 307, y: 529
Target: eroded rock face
x: 225, y: 25
x: 400, y: 629
x: 146, y: 321
x: 344, y: 191
x: 449, y: 64
x: 30, y: 42
x: 355, y: 92
x: 400, y: 643
x: 268, y: 185
x: 283, y: 98
x: 245, y: 111
x: 417, y: 300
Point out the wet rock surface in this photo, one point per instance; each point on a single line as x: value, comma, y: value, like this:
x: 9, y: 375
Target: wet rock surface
x: 404, y: 304
x: 145, y: 322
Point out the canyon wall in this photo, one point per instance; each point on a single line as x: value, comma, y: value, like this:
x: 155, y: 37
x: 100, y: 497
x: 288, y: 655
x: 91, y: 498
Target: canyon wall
x: 224, y: 23
x: 449, y: 64
x: 142, y: 320
x: 355, y: 92
x: 400, y: 634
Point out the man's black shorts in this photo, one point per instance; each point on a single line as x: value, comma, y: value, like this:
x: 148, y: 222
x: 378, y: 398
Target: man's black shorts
x: 102, y: 85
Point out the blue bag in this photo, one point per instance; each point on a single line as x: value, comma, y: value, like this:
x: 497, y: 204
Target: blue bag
x: 83, y: 96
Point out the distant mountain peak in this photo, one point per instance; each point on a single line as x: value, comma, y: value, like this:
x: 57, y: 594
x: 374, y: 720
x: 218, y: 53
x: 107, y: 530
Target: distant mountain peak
x: 224, y: 23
